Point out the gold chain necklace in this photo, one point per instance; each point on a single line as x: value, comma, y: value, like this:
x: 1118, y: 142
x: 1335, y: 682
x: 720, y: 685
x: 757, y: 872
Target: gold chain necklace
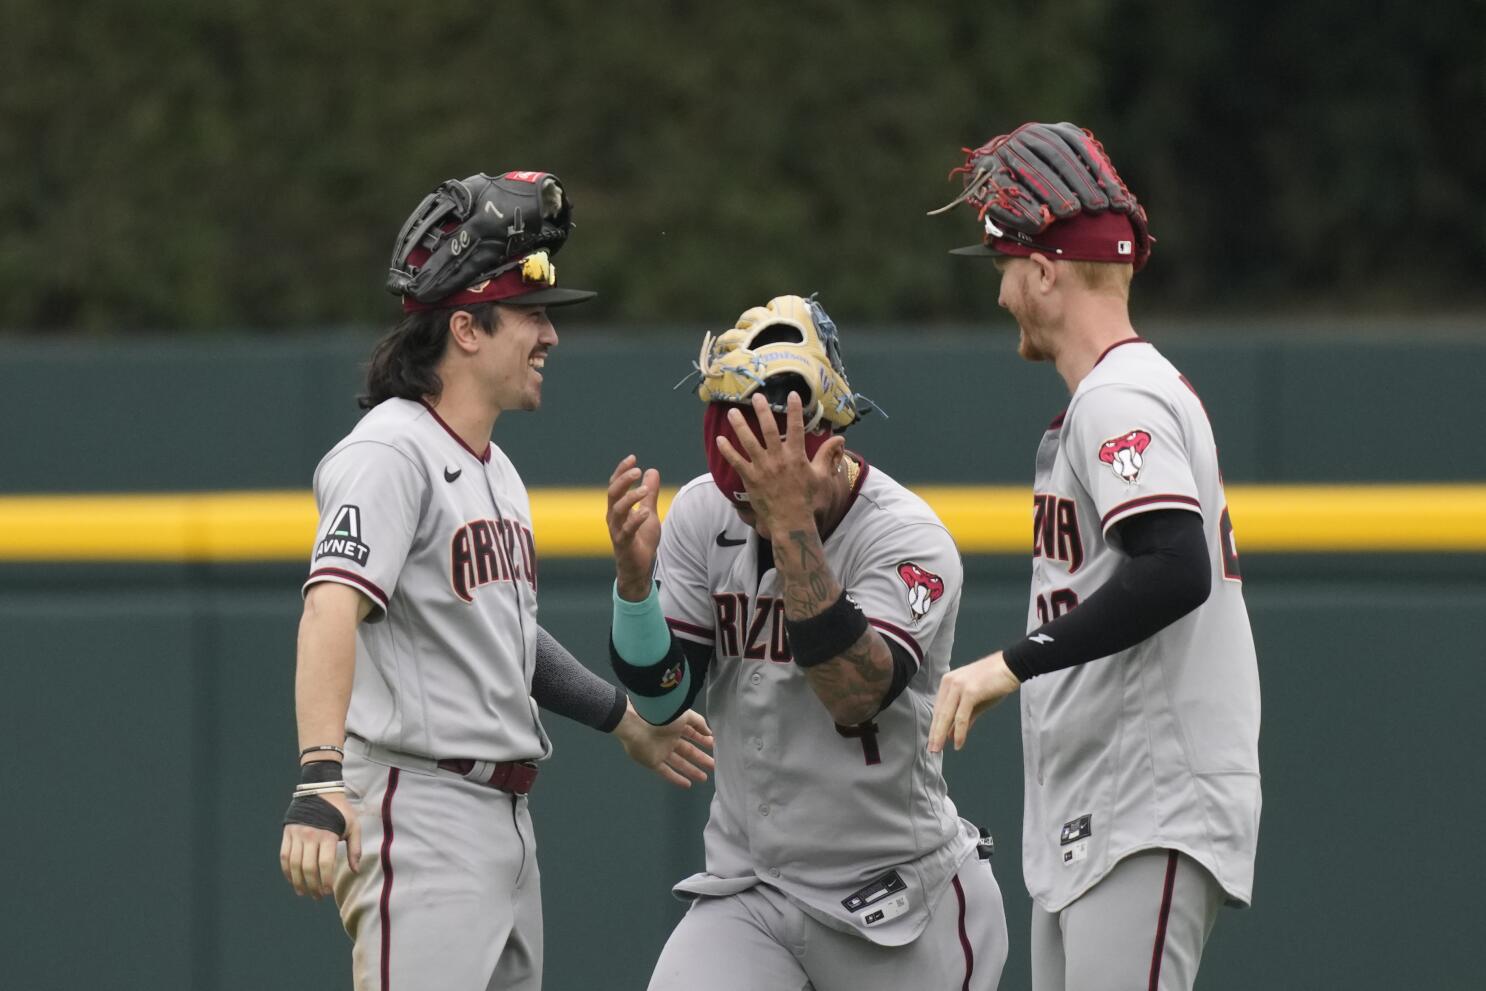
x: 853, y: 470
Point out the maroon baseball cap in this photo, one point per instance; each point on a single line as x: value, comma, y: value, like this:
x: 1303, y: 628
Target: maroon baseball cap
x: 528, y: 281
x: 1084, y: 237
x: 715, y: 424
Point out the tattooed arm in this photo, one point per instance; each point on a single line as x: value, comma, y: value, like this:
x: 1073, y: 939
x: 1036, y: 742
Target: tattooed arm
x: 854, y: 684
x: 787, y: 490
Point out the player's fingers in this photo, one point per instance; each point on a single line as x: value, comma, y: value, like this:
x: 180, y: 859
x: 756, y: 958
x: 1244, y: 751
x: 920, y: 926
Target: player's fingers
x: 633, y: 522
x: 651, y: 482
x: 697, y: 723
x: 625, y: 464
x: 964, y: 716
x: 746, y: 440
x: 694, y: 755
x: 296, y: 870
x: 768, y: 426
x: 310, y: 868
x: 622, y: 482
x: 284, y: 844
x: 794, y: 421
x: 622, y: 503
x: 353, y: 843
x: 944, y: 706
x: 730, y: 454
x: 666, y: 772
x: 327, y: 867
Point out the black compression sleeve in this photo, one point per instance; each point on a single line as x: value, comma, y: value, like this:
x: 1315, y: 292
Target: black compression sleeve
x: 1166, y: 575
x: 561, y: 684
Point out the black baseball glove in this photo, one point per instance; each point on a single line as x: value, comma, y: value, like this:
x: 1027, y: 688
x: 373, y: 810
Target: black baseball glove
x: 475, y: 228
x: 1042, y: 173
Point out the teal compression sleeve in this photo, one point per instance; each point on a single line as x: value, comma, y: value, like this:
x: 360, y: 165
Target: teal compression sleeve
x: 640, y: 633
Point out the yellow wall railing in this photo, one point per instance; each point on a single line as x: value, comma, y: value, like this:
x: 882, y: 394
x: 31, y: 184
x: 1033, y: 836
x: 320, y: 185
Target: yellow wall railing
x: 279, y: 526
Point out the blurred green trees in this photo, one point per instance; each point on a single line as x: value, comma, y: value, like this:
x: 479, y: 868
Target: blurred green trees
x: 245, y: 164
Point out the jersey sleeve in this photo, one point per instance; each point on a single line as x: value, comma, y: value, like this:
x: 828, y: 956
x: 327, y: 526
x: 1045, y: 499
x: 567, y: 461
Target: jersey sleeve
x: 1128, y: 449
x: 907, y: 583
x: 370, y: 498
x: 681, y: 570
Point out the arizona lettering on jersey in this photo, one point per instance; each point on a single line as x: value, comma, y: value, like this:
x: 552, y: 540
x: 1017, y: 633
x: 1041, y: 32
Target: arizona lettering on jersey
x: 439, y: 538
x: 810, y: 808
x: 485, y: 551
x: 1173, y: 722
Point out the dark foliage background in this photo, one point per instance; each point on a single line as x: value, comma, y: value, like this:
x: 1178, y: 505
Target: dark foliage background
x: 169, y: 165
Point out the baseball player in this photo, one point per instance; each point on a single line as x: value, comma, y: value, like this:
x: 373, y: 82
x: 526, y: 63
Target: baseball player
x: 813, y: 599
x: 1139, y: 688
x: 421, y: 664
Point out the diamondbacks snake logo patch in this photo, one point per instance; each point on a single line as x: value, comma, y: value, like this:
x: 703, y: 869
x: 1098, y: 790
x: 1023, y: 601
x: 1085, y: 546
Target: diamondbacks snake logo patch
x: 924, y: 588
x: 1125, y: 454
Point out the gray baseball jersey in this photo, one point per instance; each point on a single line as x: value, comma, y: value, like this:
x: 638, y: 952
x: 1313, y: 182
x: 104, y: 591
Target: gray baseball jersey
x: 1156, y: 746
x: 439, y: 538
x: 817, y: 811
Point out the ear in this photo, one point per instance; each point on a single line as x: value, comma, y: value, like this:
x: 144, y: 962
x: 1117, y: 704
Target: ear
x: 464, y: 332
x: 1047, y: 272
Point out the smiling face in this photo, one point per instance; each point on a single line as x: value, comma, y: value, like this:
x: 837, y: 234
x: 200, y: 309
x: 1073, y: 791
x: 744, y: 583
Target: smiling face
x: 512, y: 362
x: 1018, y: 297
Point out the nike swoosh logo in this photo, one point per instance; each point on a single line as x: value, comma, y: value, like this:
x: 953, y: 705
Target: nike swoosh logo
x: 723, y: 540
x: 450, y: 476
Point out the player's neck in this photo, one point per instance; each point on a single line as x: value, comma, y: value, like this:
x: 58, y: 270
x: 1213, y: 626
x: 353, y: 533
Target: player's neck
x: 470, y: 418
x: 1092, y: 326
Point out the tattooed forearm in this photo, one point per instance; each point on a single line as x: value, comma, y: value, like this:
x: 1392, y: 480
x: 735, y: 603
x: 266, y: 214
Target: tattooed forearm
x: 853, y: 685
x: 809, y: 585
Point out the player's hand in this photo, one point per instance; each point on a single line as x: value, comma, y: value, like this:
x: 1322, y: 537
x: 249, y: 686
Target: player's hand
x: 307, y: 854
x: 634, y: 526
x: 785, y: 488
x: 964, y: 694
x: 674, y: 751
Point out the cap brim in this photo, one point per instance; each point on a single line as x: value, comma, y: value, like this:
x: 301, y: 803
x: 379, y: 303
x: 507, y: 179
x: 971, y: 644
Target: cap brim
x: 976, y: 251
x: 552, y: 296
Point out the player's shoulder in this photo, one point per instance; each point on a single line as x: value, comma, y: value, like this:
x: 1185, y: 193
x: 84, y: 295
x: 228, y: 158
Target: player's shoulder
x: 1133, y: 361
x: 387, y: 432
x: 883, y: 501
x: 699, y: 500
x: 1132, y: 369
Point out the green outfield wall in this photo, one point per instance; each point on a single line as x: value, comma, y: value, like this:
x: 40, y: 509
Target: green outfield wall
x: 147, y: 706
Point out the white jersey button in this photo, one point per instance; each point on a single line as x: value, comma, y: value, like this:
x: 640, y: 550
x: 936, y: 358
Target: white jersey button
x: 758, y: 743
x: 756, y: 678
x: 763, y: 810
x: 773, y: 872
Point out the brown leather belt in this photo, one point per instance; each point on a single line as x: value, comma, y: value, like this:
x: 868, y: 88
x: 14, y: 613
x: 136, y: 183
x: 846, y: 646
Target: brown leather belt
x: 514, y: 776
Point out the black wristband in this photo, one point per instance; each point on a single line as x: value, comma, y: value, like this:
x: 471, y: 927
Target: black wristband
x: 319, y: 771
x: 826, y: 635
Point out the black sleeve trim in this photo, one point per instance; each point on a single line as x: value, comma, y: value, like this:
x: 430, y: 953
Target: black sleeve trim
x: 1167, y: 574
x: 660, y: 679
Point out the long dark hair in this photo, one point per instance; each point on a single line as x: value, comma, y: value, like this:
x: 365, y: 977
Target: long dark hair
x: 404, y: 364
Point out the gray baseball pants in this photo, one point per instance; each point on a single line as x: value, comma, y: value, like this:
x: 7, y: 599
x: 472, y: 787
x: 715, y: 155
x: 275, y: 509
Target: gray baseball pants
x: 449, y: 894
x: 758, y: 940
x: 1141, y: 928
